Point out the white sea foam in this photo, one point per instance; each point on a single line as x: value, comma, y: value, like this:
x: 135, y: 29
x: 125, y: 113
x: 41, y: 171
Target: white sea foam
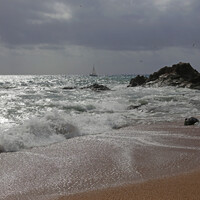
x: 35, y: 110
x: 49, y: 129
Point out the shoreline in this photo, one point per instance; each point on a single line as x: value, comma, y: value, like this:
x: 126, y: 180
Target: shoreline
x: 184, y: 186
x: 179, y: 186
x: 138, y: 161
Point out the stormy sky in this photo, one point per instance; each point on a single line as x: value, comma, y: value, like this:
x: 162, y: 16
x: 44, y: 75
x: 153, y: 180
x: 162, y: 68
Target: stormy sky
x: 69, y: 36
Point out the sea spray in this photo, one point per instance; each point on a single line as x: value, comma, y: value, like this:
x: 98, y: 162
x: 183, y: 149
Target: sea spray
x: 46, y: 130
x: 37, y: 111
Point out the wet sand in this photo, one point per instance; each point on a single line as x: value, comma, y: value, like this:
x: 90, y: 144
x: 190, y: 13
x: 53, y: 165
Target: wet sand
x: 98, y: 166
x: 182, y: 187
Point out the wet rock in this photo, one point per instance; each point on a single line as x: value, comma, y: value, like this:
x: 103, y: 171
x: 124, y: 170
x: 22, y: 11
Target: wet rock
x: 97, y: 87
x: 191, y: 121
x: 132, y: 107
x: 2, y: 149
x: 137, y: 81
x: 69, y: 88
x: 179, y: 75
x: 180, y: 70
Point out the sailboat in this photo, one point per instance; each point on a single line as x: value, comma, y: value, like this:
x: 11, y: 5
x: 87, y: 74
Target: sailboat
x: 93, y: 72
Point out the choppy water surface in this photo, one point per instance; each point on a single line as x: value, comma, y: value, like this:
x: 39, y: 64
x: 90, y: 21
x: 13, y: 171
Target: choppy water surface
x: 36, y: 110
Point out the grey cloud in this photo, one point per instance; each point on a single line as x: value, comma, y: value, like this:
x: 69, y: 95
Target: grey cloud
x: 100, y: 24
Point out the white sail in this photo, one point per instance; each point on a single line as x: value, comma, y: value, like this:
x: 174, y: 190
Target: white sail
x: 93, y: 72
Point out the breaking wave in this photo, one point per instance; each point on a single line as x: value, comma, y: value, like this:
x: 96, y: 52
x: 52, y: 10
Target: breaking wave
x: 51, y: 128
x: 37, y: 111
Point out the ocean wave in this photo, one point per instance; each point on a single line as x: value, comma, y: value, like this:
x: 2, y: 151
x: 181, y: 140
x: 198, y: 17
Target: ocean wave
x: 79, y: 108
x: 49, y: 129
x: 62, y: 111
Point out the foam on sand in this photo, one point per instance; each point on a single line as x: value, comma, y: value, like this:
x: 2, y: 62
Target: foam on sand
x: 93, y: 162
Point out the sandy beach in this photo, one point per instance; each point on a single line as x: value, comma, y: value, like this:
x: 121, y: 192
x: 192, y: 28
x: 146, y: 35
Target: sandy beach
x: 157, y: 161
x: 182, y: 187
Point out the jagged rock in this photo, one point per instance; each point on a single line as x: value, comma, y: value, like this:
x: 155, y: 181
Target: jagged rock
x: 97, y: 87
x: 180, y: 70
x: 179, y: 75
x: 138, y: 80
x: 191, y: 121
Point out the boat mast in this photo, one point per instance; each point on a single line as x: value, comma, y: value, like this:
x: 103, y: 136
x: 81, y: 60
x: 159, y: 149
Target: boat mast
x: 93, y: 70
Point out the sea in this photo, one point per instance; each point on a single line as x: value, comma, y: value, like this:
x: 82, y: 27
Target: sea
x: 36, y: 110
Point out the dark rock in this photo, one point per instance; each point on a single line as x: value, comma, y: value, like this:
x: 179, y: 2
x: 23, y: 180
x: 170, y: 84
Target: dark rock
x: 69, y: 88
x: 2, y: 149
x: 196, y: 80
x: 191, y: 121
x: 138, y: 80
x: 179, y: 75
x: 97, y: 87
x: 132, y: 107
x: 180, y: 70
x: 195, y: 83
x: 156, y: 75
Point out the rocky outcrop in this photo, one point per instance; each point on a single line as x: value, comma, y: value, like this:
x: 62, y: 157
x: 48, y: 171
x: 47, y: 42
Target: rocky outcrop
x: 138, y: 80
x: 180, y: 75
x: 97, y: 87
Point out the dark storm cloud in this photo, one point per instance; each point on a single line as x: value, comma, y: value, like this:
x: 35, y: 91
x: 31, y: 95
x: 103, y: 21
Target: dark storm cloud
x: 100, y: 24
